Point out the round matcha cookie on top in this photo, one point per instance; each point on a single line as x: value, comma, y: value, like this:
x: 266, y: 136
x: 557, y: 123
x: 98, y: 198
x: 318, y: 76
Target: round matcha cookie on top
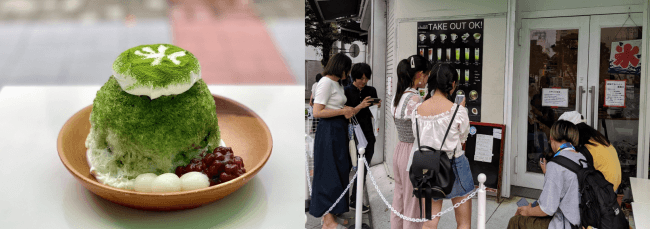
x: 156, y: 70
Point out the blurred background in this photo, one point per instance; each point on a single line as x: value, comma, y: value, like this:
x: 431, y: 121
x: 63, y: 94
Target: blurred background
x: 74, y: 42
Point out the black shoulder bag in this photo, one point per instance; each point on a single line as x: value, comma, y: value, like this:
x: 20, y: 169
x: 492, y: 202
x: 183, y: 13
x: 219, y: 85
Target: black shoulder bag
x: 431, y: 171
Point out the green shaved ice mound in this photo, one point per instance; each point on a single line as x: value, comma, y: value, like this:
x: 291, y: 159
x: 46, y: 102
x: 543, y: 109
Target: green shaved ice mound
x: 144, y: 135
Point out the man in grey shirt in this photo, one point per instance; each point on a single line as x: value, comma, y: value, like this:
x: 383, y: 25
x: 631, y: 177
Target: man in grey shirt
x: 559, y: 203
x: 560, y: 197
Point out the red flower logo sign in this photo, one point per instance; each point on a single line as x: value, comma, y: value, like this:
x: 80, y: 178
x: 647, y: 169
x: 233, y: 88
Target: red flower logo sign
x: 626, y: 56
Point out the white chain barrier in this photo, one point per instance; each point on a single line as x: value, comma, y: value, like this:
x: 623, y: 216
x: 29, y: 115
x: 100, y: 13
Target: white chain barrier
x: 417, y: 220
x: 413, y: 219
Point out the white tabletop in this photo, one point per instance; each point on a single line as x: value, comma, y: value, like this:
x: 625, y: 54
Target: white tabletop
x: 641, y: 213
x: 641, y: 204
x: 640, y: 189
x: 37, y: 191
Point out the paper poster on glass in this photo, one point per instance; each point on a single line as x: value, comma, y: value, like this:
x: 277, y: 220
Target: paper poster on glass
x: 614, y: 93
x: 625, y: 57
x: 555, y: 97
x: 459, y: 43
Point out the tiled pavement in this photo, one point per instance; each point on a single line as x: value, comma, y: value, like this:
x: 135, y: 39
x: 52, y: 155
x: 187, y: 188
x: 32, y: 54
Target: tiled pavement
x: 69, y: 53
x: 232, y: 46
x: 74, y: 42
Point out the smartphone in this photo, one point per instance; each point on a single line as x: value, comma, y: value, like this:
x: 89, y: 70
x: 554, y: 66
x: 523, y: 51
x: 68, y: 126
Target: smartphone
x: 459, y: 99
x: 374, y: 100
x: 534, y: 204
x: 522, y: 202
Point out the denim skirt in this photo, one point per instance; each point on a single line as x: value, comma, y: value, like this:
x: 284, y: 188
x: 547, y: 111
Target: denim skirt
x: 464, y: 183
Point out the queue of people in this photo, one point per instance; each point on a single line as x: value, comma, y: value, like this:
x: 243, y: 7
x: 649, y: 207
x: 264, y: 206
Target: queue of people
x: 442, y: 124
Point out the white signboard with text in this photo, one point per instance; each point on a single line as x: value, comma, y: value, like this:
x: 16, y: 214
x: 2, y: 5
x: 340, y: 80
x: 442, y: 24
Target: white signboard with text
x: 555, y: 97
x: 614, y: 93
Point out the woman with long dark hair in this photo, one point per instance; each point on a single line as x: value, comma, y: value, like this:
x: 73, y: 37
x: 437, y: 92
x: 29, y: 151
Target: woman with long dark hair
x: 412, y: 73
x: 331, y: 157
x: 432, y: 117
x: 604, y: 155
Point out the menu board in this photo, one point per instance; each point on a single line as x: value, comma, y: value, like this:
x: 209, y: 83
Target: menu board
x: 484, y: 151
x: 460, y: 43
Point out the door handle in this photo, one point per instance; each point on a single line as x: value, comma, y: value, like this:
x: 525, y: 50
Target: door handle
x: 592, y: 90
x: 579, y: 102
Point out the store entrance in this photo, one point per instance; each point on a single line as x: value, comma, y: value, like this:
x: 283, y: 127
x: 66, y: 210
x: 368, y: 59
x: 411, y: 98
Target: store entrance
x: 567, y: 61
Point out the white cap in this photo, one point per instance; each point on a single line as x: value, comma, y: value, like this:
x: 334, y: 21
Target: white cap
x: 572, y: 116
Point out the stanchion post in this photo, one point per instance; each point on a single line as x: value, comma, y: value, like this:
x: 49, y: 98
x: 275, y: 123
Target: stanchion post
x: 481, y: 201
x: 358, y: 217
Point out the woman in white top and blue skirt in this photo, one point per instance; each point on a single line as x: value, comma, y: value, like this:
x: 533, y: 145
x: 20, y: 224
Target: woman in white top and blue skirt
x: 433, y: 116
x: 331, y: 156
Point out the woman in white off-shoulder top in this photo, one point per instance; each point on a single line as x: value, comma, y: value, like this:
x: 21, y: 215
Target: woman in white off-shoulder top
x: 433, y: 116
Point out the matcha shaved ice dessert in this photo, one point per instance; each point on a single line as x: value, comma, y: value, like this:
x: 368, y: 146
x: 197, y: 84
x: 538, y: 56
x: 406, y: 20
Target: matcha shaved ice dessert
x: 154, y: 114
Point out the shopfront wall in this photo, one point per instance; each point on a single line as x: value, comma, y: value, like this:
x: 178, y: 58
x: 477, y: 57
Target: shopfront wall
x: 408, y: 13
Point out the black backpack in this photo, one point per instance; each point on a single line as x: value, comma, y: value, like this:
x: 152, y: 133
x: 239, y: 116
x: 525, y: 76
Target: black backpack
x: 598, y: 205
x: 585, y: 152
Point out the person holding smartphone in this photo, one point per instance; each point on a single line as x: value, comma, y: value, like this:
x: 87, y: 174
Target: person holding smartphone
x: 431, y: 118
x: 559, y: 203
x: 356, y: 93
x: 412, y: 73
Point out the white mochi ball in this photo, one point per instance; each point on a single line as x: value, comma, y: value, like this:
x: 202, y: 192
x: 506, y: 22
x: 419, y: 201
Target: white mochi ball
x: 143, y: 182
x: 167, y: 182
x: 194, y: 180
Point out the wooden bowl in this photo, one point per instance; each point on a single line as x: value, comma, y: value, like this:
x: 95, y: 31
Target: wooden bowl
x: 240, y: 128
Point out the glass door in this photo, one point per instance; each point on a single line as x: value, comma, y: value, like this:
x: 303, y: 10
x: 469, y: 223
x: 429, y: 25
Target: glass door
x: 554, y: 56
x: 614, y: 87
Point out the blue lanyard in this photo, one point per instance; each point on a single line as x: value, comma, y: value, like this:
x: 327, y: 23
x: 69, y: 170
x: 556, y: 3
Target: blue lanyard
x: 563, y: 147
